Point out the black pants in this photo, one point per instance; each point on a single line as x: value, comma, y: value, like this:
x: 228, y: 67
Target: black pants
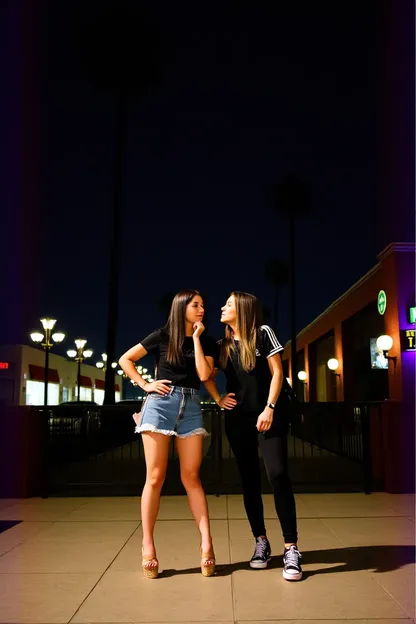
x: 244, y: 439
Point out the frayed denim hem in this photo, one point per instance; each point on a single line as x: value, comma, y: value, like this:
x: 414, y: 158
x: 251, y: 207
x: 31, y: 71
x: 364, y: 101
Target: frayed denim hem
x: 153, y: 429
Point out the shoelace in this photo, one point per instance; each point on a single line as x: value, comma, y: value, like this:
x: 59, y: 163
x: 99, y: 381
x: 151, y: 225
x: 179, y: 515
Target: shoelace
x: 261, y: 547
x: 292, y: 557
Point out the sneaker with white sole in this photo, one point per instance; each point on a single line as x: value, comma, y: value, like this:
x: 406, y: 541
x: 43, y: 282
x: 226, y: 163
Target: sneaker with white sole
x: 292, y: 570
x: 262, y: 554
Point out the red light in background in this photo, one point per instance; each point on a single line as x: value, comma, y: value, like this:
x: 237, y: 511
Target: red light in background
x: 4, y: 365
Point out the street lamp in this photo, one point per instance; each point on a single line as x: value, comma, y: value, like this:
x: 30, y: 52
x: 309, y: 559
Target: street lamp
x: 103, y: 364
x: 333, y: 365
x: 49, y: 340
x: 79, y: 355
x: 302, y: 376
x: 143, y: 372
x: 385, y: 343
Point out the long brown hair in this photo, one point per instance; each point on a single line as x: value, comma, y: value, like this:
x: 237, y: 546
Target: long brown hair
x: 175, y: 325
x: 249, y: 318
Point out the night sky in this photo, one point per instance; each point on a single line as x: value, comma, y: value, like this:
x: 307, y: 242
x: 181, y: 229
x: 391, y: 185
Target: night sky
x: 247, y: 93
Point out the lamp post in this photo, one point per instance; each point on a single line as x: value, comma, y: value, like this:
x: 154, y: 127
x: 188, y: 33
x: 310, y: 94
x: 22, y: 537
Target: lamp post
x: 49, y: 340
x: 142, y: 371
x: 79, y: 355
x: 333, y: 365
x: 385, y: 343
x: 103, y: 364
x: 302, y: 376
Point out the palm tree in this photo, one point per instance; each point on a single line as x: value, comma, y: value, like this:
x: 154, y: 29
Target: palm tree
x: 119, y: 52
x: 292, y: 198
x: 277, y: 273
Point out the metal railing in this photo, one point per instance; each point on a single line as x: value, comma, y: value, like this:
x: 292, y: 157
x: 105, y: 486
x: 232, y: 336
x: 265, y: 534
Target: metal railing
x: 94, y: 449
x: 352, y: 431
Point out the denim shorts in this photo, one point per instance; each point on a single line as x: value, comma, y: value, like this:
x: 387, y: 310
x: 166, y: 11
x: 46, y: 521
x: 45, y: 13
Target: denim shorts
x: 176, y: 414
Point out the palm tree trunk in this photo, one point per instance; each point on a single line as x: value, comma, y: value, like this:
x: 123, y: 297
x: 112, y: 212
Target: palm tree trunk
x: 292, y: 285
x: 109, y: 392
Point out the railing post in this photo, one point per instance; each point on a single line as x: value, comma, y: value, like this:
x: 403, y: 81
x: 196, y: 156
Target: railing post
x: 217, y: 449
x: 45, y: 461
x: 367, y: 461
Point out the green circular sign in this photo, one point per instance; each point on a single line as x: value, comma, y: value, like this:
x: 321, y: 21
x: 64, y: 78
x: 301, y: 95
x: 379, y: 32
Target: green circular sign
x: 381, y: 302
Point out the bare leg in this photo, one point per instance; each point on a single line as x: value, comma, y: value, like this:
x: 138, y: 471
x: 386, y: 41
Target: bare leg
x: 156, y: 450
x: 190, y: 457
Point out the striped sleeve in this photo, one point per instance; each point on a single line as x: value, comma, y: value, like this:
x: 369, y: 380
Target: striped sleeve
x: 271, y: 345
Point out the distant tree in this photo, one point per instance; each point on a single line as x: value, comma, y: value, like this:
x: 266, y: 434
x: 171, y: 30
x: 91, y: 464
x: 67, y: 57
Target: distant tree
x: 277, y: 274
x: 119, y: 50
x: 292, y: 198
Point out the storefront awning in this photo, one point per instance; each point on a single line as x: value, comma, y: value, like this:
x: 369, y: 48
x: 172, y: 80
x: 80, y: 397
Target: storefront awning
x: 85, y: 382
x: 37, y: 373
x: 99, y: 385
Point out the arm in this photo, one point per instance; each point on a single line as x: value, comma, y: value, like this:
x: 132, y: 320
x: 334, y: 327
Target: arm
x: 276, y: 369
x: 211, y: 386
x: 265, y: 420
x: 227, y: 402
x: 127, y: 364
x: 204, y: 364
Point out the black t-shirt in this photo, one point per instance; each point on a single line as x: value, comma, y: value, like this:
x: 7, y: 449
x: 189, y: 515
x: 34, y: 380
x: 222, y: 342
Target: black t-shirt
x: 185, y: 375
x: 252, y: 388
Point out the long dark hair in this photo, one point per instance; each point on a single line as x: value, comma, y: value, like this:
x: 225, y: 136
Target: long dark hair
x: 175, y: 325
x: 249, y: 318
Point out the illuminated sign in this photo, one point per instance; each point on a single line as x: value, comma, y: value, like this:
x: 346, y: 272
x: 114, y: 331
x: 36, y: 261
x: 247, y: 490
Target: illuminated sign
x: 408, y: 339
x: 4, y: 366
x: 412, y: 315
x: 381, y: 302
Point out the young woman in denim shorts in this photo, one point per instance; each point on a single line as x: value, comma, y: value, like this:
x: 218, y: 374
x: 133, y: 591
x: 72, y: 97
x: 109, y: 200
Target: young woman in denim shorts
x: 185, y: 357
x: 256, y: 415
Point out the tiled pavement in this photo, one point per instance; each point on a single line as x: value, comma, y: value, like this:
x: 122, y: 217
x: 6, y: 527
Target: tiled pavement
x: 78, y: 560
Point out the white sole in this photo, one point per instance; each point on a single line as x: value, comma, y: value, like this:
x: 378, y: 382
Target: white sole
x: 292, y: 577
x: 260, y: 566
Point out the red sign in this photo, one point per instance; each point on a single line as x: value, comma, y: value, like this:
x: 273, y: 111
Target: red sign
x: 4, y: 365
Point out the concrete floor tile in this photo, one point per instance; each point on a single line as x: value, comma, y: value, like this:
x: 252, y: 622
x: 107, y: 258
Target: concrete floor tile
x: 129, y: 597
x: 372, y: 531
x: 354, y: 505
x: 38, y: 509
x: 42, y: 598
x: 21, y: 533
x: 348, y: 595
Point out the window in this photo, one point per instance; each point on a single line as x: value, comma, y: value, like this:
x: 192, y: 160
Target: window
x: 35, y: 393
x: 85, y: 394
x: 99, y: 396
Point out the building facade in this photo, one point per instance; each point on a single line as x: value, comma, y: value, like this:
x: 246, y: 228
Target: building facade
x: 22, y: 375
x: 382, y: 302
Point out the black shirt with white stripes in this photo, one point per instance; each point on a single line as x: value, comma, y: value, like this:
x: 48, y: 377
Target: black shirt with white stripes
x: 252, y: 388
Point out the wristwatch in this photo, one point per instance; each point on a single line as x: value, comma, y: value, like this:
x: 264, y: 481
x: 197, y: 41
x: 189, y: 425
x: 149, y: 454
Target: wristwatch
x: 271, y: 405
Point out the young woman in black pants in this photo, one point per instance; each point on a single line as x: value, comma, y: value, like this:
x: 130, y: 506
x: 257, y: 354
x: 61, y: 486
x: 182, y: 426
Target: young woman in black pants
x: 250, y: 356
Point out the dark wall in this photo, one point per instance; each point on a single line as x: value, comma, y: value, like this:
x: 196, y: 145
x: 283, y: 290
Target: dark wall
x: 300, y: 366
x: 322, y: 380
x: 361, y: 381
